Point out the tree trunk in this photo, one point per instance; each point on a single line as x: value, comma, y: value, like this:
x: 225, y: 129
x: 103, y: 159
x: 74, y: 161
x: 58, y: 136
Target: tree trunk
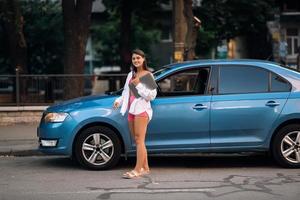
x: 13, y: 24
x: 192, y: 31
x: 77, y: 20
x: 126, y: 12
x: 179, y: 30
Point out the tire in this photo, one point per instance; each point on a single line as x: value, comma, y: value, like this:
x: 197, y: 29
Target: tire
x: 286, y: 146
x: 97, y: 148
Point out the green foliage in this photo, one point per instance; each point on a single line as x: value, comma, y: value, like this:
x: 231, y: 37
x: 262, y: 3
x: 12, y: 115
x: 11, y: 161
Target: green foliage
x: 105, y: 39
x: 235, y: 17
x: 225, y: 19
x: 106, y: 36
x: 221, y: 19
x: 43, y: 30
x: 4, y: 61
x: 44, y: 34
x: 205, y: 42
x: 143, y: 37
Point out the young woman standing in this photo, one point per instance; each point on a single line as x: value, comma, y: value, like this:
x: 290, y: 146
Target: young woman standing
x: 139, y: 111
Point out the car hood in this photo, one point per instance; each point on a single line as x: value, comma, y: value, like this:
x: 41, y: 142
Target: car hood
x: 77, y: 103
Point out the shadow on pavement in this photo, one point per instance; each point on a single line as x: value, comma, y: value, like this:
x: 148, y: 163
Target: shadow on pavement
x: 163, y: 161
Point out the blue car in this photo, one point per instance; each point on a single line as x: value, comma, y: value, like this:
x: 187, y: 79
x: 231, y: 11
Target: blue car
x: 201, y: 106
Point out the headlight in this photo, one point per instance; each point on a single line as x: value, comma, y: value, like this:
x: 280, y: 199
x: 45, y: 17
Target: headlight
x: 55, y: 117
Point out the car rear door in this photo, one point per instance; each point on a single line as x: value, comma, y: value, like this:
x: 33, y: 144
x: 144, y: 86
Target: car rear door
x: 244, y: 106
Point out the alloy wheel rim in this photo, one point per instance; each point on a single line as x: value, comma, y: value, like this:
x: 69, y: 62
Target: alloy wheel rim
x: 97, y: 149
x: 290, y: 147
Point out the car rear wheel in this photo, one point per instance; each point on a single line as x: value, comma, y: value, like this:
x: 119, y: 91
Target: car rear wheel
x: 286, y: 146
x: 98, y: 148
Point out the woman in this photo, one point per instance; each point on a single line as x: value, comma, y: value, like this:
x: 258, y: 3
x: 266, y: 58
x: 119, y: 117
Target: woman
x: 139, y: 111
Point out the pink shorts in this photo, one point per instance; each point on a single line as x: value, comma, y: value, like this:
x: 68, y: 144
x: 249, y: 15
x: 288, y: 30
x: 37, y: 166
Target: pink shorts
x: 131, y: 116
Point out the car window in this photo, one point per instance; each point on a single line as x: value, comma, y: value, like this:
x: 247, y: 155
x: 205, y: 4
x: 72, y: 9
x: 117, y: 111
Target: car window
x: 187, y: 82
x: 278, y: 84
x: 243, y: 79
x: 161, y: 71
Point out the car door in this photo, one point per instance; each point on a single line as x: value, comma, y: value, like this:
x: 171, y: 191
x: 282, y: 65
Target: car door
x: 181, y: 111
x: 246, y: 103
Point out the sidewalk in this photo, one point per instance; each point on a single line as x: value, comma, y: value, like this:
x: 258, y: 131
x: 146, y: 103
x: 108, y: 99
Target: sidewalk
x: 19, y: 140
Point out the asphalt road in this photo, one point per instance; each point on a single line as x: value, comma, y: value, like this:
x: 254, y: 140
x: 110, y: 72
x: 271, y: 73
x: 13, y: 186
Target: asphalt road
x: 204, y: 177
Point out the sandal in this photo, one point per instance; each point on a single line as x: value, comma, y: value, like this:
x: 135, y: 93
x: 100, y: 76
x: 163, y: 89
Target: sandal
x: 131, y: 174
x: 144, y: 172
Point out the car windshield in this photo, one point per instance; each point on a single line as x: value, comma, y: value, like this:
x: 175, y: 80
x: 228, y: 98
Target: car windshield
x: 160, y: 71
x: 155, y: 74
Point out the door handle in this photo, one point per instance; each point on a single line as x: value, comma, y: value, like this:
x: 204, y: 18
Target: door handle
x: 199, y: 106
x: 272, y: 103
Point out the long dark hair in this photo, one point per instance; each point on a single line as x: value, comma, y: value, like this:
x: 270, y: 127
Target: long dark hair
x: 142, y: 54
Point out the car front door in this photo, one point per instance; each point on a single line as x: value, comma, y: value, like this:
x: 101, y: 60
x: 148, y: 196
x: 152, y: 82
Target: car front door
x: 247, y: 102
x: 181, y: 112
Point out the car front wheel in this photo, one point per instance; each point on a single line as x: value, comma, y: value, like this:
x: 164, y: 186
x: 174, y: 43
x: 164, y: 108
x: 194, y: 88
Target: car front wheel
x: 97, y: 148
x: 286, y: 146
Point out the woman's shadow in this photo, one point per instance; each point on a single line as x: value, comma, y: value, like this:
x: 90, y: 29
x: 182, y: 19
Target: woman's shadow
x: 251, y: 160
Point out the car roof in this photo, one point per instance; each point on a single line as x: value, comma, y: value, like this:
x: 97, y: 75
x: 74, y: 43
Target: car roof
x: 221, y: 61
x: 289, y: 74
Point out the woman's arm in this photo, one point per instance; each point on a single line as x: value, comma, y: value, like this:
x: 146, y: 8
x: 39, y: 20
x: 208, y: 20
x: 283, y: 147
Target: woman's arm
x: 146, y: 93
x: 120, y: 99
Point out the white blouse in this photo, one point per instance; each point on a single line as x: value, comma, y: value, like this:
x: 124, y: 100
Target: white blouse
x: 139, y: 105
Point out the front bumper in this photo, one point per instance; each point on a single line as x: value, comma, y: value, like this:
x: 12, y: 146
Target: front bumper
x: 60, y: 134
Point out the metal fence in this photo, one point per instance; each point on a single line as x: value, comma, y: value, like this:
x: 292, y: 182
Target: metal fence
x: 21, y: 90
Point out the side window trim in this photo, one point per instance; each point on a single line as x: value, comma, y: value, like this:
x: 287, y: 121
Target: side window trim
x: 270, y: 81
x: 218, y: 82
x: 212, y: 88
x: 208, y: 82
x: 207, y: 87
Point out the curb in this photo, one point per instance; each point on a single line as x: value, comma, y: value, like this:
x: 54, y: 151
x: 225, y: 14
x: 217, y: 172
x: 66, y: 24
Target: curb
x: 22, y: 153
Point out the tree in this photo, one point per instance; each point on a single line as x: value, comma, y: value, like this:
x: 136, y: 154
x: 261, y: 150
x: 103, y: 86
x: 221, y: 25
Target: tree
x: 13, y: 25
x: 43, y: 29
x: 126, y: 12
x: 193, y: 25
x: 44, y: 34
x: 134, y: 15
x: 206, y: 41
x: 106, y: 40
x: 77, y: 20
x: 226, y: 19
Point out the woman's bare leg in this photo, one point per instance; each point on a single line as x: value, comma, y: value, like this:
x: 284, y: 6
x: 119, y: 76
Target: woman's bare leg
x: 131, y: 129
x: 146, y: 165
x: 140, y: 129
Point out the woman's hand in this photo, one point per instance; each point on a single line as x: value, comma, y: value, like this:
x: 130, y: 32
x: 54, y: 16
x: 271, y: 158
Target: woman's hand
x: 116, y: 105
x: 136, y: 81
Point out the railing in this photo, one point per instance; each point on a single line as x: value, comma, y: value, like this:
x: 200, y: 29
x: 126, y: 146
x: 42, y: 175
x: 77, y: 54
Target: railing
x: 21, y: 90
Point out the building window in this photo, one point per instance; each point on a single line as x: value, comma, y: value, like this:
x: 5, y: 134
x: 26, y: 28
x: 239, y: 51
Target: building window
x: 292, y: 39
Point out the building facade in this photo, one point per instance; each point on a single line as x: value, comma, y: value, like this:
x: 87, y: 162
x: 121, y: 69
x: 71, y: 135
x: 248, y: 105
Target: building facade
x: 285, y: 31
